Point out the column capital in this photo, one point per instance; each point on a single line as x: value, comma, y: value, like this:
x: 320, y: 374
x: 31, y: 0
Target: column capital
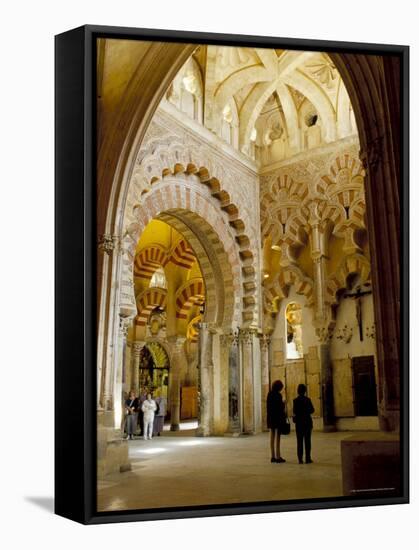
x: 264, y: 340
x: 109, y: 243
x: 246, y: 335
x: 124, y: 323
x: 227, y: 339
x: 137, y: 347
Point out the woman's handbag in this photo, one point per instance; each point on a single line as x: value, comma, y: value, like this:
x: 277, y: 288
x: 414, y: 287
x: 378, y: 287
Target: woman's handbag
x: 285, y: 426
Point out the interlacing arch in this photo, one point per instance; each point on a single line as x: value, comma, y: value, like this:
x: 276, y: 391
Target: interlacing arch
x: 282, y: 223
x: 346, y: 174
x: 289, y: 276
x: 353, y: 264
x: 192, y: 293
x: 147, y: 301
x: 343, y: 190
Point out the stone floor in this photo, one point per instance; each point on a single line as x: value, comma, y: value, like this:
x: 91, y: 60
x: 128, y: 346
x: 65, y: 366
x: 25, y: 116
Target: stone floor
x: 179, y: 469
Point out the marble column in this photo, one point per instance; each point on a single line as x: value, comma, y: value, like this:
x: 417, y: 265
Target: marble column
x: 323, y: 319
x: 221, y: 385
x: 135, y: 366
x: 206, y: 381
x: 246, y: 337
x: 326, y: 374
x: 264, y: 356
x: 108, y: 335
x: 177, y: 365
x: 234, y: 385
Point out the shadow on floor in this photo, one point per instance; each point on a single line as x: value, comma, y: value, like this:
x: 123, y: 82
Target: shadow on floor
x: 46, y: 503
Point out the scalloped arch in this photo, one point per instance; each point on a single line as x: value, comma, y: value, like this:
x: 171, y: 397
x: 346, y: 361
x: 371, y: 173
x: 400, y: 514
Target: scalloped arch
x: 356, y: 263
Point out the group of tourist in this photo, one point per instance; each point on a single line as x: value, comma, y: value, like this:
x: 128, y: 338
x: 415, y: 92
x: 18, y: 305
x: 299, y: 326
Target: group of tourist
x: 147, y: 413
x: 278, y: 423
x: 144, y: 413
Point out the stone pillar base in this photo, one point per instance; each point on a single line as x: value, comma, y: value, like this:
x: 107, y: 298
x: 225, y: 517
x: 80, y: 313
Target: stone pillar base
x: 329, y: 428
x: 174, y: 427
x: 390, y: 421
x: 112, y: 450
x: 371, y: 465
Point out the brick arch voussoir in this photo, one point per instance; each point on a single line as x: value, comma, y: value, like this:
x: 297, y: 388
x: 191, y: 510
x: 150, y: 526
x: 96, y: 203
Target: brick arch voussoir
x: 147, y: 301
x: 189, y: 294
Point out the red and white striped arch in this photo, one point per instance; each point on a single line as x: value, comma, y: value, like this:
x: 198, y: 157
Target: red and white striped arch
x: 183, y: 255
x: 150, y: 299
x: 148, y: 260
x: 192, y: 293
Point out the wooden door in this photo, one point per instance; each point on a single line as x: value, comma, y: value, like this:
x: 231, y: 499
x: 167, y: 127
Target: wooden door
x: 365, y: 389
x: 189, y: 402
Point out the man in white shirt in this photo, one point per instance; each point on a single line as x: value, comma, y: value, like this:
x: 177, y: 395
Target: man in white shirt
x: 148, y: 407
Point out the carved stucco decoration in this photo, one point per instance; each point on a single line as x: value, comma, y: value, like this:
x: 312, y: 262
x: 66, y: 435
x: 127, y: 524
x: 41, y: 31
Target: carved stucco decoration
x: 326, y: 190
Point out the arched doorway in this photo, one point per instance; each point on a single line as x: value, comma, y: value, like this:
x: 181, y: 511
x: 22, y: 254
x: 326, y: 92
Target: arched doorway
x: 183, y: 285
x: 154, y: 368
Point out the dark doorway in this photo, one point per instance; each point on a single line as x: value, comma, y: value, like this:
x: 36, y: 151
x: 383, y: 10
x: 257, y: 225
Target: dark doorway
x: 364, y: 386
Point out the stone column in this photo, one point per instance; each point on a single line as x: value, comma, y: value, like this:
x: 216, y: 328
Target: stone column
x: 108, y: 335
x: 234, y: 404
x: 135, y: 366
x: 264, y: 356
x: 323, y: 318
x: 221, y: 386
x: 383, y: 221
x: 206, y: 380
x: 123, y: 329
x: 246, y: 337
x: 178, y: 363
x: 326, y: 374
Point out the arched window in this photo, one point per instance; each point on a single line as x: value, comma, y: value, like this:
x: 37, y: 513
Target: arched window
x: 293, y: 331
x: 230, y: 124
x: 186, y: 91
x: 158, y: 280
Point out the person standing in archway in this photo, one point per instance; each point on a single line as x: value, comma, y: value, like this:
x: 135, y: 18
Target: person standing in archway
x: 302, y: 411
x: 275, y: 419
x: 148, y: 407
x: 131, y: 408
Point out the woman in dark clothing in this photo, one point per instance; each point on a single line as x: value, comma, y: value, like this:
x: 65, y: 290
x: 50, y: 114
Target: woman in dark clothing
x: 131, y: 408
x: 275, y: 419
x: 302, y: 411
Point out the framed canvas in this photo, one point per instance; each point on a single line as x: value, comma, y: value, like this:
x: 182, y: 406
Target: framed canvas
x: 231, y: 274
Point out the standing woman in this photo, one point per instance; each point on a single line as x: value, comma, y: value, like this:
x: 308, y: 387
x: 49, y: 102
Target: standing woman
x: 131, y: 408
x: 159, y: 415
x: 275, y: 419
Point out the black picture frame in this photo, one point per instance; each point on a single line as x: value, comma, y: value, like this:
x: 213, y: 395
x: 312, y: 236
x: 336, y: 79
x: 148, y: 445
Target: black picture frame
x: 75, y: 272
